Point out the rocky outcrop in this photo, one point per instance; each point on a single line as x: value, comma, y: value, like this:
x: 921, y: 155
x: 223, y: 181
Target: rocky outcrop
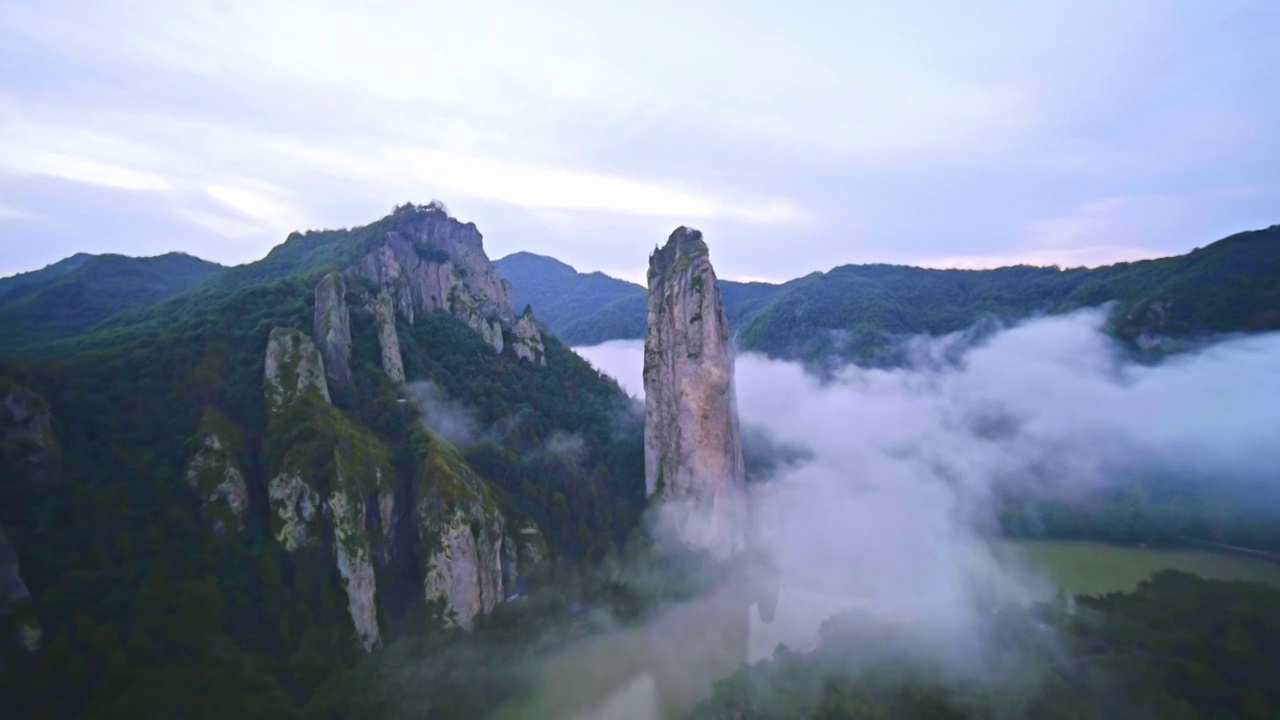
x: 385, y: 317
x: 293, y: 369
x: 294, y: 511
x: 332, y: 327
x: 693, y: 449
x: 17, y: 616
x: 470, y: 552
x: 28, y: 447
x: 527, y: 343
x: 325, y: 468
x: 428, y: 261
x: 423, y: 261
x: 215, y: 474
x: 29, y: 456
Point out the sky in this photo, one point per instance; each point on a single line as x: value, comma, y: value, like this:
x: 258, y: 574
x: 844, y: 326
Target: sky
x: 797, y: 136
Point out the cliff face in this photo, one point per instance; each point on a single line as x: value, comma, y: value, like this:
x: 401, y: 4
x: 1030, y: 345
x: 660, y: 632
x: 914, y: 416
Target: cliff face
x: 215, y: 474
x: 472, y: 554
x: 332, y: 327
x: 17, y: 616
x: 293, y: 369
x: 693, y: 449
x: 28, y: 447
x: 325, y: 468
x: 29, y: 453
x: 385, y: 316
x: 527, y: 343
x: 429, y: 261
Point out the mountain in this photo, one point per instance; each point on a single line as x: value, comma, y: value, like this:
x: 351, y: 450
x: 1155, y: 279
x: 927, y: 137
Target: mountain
x: 75, y: 294
x: 865, y: 313
x: 591, y: 308
x: 580, y: 308
x: 199, y: 500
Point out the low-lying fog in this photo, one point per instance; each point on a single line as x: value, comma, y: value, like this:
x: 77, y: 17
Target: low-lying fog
x: 890, y: 509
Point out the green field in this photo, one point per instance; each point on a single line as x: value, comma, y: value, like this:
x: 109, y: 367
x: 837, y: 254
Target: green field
x: 1090, y: 568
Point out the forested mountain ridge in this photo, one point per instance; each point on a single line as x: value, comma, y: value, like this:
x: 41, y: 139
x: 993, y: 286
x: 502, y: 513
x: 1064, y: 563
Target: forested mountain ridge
x: 591, y: 308
x: 580, y: 308
x: 229, y: 514
x: 73, y: 295
x: 862, y: 313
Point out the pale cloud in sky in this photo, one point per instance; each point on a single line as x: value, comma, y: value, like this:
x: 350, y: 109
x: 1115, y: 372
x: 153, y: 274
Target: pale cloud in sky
x: 796, y: 138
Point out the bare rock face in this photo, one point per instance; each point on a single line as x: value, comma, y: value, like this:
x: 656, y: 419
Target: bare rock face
x: 392, y: 360
x: 527, y: 344
x: 693, y: 449
x: 28, y: 447
x: 293, y: 368
x: 470, y: 550
x: 325, y: 468
x: 430, y: 261
x: 332, y: 327
x: 215, y: 474
x: 294, y: 511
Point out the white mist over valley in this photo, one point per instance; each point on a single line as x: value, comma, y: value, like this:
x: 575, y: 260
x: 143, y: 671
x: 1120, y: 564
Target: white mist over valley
x: 891, y: 508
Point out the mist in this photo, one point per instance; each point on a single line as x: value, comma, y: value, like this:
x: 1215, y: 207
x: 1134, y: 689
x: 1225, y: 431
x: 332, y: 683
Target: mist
x: 446, y: 418
x: 891, y: 508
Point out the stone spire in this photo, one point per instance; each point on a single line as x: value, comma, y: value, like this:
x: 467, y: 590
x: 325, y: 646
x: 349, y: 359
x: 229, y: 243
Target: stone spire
x: 693, y: 448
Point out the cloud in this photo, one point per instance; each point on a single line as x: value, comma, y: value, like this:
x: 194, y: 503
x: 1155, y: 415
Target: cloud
x: 69, y: 167
x: 894, y: 132
x: 893, y: 511
x: 13, y: 213
x: 443, y: 416
x: 1095, y: 233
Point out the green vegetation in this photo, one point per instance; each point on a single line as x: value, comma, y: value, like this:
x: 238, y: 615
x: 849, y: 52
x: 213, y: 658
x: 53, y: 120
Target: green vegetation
x: 862, y: 313
x: 146, y: 612
x: 591, y: 308
x: 1155, y: 511
x: 858, y: 312
x: 580, y: 308
x: 71, y: 296
x: 1093, y: 568
x: 1177, y: 647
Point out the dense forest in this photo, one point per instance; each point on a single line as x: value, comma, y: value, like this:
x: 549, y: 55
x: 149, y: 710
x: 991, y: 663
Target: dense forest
x: 1177, y: 647
x: 149, y: 603
x: 863, y: 313
x: 71, y: 296
x: 144, y: 610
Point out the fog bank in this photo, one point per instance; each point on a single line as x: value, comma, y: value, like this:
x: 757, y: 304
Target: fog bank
x: 891, y: 510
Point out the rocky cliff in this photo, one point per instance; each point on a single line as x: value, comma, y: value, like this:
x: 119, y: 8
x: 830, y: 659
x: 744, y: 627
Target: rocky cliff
x: 693, y: 450
x: 29, y: 454
x: 425, y: 260
x: 325, y: 468
x: 332, y: 327
x: 472, y: 554
x: 331, y: 477
x: 28, y: 446
x: 527, y: 341
x: 215, y: 474
x: 385, y: 317
x: 18, y: 622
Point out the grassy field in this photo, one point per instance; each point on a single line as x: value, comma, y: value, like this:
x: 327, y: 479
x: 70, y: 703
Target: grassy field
x: 1088, y: 568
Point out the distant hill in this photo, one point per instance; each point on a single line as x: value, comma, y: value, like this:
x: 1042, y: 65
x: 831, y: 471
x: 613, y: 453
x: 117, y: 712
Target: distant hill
x: 580, y: 308
x: 75, y: 294
x: 862, y: 313
x: 591, y: 308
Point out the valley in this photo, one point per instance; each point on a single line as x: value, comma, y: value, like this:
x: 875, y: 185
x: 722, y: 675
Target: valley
x: 357, y: 479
